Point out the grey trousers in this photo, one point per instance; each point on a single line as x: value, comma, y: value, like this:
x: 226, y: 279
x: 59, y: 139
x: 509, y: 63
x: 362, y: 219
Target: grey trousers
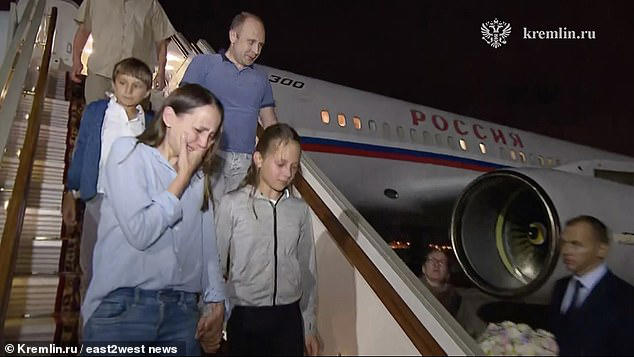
x: 88, y: 241
x: 232, y: 170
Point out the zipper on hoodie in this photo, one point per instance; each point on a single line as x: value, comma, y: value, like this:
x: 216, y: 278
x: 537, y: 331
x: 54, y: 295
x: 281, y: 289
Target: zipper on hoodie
x: 274, y: 205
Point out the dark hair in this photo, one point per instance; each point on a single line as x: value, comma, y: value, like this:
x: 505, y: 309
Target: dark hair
x: 183, y: 100
x: 272, y: 138
x: 133, y: 67
x: 240, y: 18
x: 435, y: 250
x: 599, y: 228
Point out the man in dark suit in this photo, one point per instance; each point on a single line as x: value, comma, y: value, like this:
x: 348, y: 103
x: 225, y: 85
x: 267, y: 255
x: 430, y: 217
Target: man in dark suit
x: 592, y: 311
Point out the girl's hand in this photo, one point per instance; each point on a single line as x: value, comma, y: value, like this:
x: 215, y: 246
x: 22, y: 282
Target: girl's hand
x: 209, y: 328
x: 312, y: 345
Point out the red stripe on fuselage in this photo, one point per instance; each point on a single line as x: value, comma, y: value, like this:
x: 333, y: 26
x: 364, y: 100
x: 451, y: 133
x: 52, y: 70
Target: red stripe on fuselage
x: 393, y: 156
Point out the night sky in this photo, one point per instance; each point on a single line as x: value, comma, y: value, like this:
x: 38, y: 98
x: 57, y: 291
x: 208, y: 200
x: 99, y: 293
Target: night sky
x: 432, y: 53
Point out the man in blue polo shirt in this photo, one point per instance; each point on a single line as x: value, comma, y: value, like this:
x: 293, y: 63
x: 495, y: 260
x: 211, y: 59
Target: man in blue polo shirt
x: 243, y: 90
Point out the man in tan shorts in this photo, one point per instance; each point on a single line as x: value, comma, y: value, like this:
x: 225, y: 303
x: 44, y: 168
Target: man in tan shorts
x: 120, y: 29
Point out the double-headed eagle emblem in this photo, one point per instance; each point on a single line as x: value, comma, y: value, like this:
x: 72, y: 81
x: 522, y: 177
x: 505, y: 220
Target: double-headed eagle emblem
x: 495, y: 32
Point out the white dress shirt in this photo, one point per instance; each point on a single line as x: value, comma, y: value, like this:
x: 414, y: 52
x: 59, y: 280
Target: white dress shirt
x: 588, y: 282
x: 115, y: 125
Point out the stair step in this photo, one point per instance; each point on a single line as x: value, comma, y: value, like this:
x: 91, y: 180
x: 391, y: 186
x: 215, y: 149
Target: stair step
x: 47, y: 172
x: 33, y: 295
x: 38, y: 256
x: 38, y: 222
x: 56, y: 85
x: 40, y: 329
x: 54, y: 111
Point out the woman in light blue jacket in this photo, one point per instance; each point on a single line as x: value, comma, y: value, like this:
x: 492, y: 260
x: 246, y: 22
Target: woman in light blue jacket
x: 156, y: 254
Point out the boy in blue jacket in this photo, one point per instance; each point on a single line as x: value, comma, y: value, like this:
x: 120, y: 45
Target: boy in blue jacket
x: 103, y: 121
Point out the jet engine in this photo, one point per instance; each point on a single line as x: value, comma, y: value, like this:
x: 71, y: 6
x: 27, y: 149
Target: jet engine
x: 506, y: 224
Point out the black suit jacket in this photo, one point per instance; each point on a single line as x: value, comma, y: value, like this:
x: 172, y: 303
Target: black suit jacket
x: 602, y: 325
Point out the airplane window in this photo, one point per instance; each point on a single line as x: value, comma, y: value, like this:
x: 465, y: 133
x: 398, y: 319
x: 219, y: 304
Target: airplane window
x: 541, y: 160
x: 356, y: 121
x: 522, y: 156
x: 503, y: 153
x: 452, y: 143
x: 483, y: 148
x: 412, y: 135
x: 386, y: 131
x: 438, y: 140
x: 400, y: 132
x: 532, y: 159
x: 325, y: 117
x: 549, y: 162
x: 341, y: 119
x: 426, y: 138
x: 372, y: 125
x: 557, y: 162
x: 463, y: 144
x: 513, y: 155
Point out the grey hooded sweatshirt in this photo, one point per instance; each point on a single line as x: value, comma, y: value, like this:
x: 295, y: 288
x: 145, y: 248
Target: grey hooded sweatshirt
x: 270, y: 250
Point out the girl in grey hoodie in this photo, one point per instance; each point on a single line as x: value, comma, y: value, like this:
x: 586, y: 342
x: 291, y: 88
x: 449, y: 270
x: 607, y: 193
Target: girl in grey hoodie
x: 267, y: 254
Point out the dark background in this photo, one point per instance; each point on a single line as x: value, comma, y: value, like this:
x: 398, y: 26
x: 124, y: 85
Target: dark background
x: 431, y: 53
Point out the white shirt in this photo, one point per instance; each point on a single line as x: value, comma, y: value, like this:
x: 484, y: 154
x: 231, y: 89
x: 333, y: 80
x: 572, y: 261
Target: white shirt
x: 116, y: 125
x: 286, y: 194
x: 588, y: 281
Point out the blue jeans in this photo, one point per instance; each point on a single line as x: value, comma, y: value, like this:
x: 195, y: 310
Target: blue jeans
x: 146, y: 316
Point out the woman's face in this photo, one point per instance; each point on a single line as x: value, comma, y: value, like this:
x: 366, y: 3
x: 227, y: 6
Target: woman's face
x: 435, y: 268
x: 200, y: 127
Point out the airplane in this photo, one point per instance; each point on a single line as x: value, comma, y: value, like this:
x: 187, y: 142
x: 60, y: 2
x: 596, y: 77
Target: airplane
x: 416, y: 173
x: 496, y: 195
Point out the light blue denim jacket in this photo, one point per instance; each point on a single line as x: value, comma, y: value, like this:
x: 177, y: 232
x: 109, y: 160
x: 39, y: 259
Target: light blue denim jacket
x: 147, y: 237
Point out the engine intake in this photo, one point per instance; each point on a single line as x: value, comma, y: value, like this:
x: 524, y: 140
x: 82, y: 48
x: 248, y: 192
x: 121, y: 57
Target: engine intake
x: 505, y: 227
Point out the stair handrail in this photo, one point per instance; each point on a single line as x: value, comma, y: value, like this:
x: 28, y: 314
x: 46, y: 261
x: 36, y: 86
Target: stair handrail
x: 183, y: 45
x: 17, y: 203
x: 15, y: 66
x: 406, y: 319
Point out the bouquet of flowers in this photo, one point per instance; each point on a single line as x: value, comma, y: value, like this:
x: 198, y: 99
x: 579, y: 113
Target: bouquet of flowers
x: 508, y: 338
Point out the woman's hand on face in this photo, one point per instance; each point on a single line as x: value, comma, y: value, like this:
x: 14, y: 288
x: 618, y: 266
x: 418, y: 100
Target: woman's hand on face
x: 189, y: 161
